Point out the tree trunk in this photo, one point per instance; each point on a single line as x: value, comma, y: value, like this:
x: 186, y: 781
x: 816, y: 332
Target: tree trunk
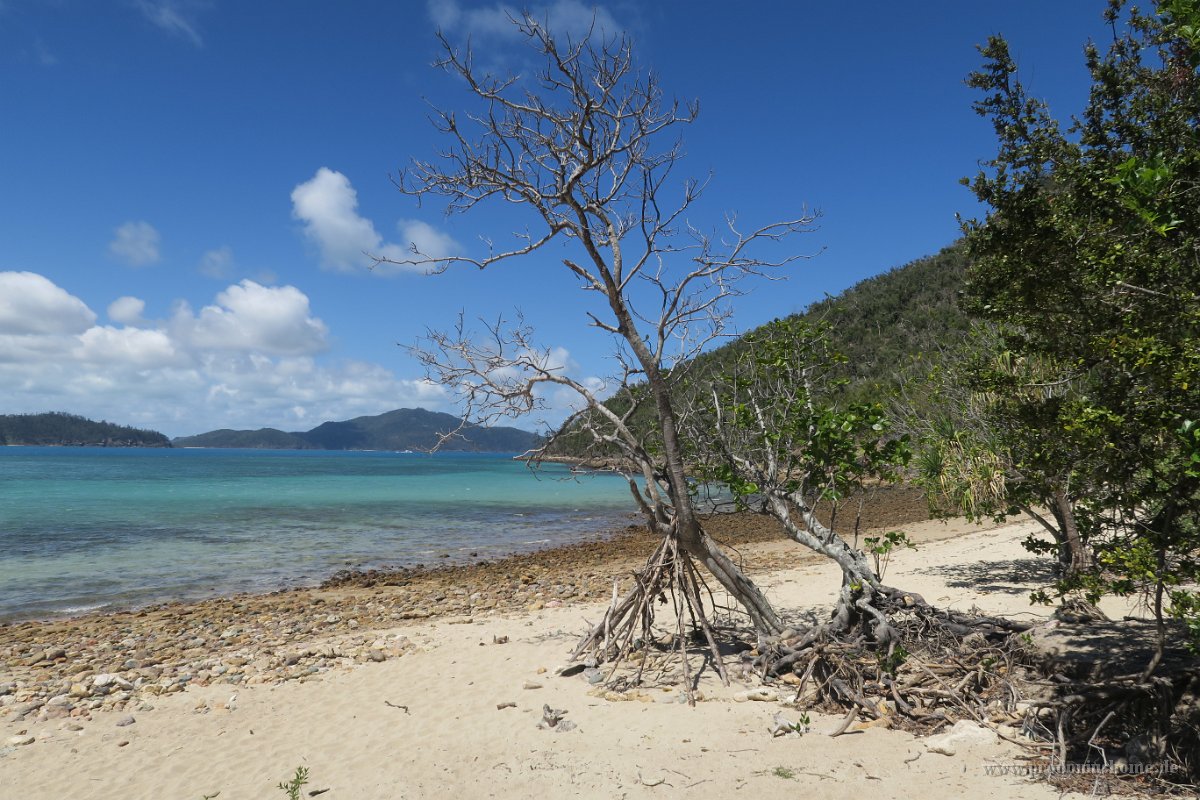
x: 1073, y: 554
x: 701, y: 547
x: 690, y: 534
x: 862, y: 591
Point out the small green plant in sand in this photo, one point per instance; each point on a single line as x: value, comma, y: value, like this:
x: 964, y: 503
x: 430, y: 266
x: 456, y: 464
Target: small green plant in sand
x: 881, y: 547
x: 292, y: 787
x: 784, y: 772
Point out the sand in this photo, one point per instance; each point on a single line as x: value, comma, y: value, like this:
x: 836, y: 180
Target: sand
x: 427, y: 723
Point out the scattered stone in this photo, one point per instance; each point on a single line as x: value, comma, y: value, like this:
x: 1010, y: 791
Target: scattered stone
x: 963, y: 734
x: 507, y: 704
x: 759, y: 695
x: 118, y: 661
x: 551, y: 717
x: 20, y: 740
x: 532, y: 685
x: 125, y: 721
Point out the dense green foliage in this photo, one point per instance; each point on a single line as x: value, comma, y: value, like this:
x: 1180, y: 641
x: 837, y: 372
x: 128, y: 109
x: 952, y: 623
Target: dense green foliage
x: 887, y: 328
x: 402, y: 429
x: 57, y: 428
x: 1088, y: 264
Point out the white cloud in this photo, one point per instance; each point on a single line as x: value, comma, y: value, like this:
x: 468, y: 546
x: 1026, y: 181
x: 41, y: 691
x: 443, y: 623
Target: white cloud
x: 249, y: 316
x: 126, y: 310
x: 428, y: 240
x: 176, y: 17
x: 327, y: 204
x: 136, y: 244
x: 127, y: 348
x: 31, y: 304
x: 246, y: 360
x: 217, y: 263
x: 562, y: 17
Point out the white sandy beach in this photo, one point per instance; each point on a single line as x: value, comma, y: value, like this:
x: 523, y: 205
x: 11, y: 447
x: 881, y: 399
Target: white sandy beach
x: 453, y: 741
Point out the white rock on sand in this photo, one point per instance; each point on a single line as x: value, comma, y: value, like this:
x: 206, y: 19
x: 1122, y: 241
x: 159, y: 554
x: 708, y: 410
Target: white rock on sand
x: 440, y: 722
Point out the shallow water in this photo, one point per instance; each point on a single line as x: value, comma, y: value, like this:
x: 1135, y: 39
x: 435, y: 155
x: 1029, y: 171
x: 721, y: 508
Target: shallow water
x: 89, y: 528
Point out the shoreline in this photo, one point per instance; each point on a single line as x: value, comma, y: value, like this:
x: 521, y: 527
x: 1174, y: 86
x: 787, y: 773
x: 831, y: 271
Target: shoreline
x: 248, y: 638
x: 453, y: 703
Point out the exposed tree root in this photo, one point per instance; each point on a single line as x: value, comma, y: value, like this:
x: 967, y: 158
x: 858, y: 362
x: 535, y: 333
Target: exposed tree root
x: 628, y: 622
x: 934, y: 667
x: 908, y: 665
x: 1145, y: 729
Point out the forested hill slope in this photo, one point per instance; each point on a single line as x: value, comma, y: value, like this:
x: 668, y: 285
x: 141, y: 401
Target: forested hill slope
x: 898, y: 321
x: 886, y: 325
x: 890, y: 327
x: 59, y: 429
x: 402, y: 429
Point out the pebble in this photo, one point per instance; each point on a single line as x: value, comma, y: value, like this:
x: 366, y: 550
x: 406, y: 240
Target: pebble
x: 125, y: 721
x: 20, y: 740
x: 760, y: 695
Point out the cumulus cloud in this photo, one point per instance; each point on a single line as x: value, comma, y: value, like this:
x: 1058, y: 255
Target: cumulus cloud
x: 249, y: 316
x: 176, y: 17
x: 248, y: 359
x: 126, y: 310
x: 426, y: 239
x: 127, y: 348
x: 327, y: 205
x: 32, y: 304
x: 136, y: 244
x: 217, y: 263
x: 563, y: 17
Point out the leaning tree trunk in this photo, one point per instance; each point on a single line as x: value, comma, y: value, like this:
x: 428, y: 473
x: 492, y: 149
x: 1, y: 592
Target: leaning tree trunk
x: 687, y: 530
x: 863, y: 600
x: 700, y: 546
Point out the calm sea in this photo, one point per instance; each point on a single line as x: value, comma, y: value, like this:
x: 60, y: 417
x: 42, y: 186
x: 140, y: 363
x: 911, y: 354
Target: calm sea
x: 94, y: 528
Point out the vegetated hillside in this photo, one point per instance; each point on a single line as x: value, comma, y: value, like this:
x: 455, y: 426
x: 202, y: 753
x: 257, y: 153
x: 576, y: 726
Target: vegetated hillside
x: 60, y: 429
x: 402, y: 429
x: 890, y: 327
x: 261, y: 439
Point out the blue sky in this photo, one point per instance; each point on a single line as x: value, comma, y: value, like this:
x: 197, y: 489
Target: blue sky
x: 186, y: 186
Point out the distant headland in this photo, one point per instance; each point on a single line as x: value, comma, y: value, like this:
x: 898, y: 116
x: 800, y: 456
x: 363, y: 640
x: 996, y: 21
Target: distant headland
x: 68, y: 430
x: 403, y: 429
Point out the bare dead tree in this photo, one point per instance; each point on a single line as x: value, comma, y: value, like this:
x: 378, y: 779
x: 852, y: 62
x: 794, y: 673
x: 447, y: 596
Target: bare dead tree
x: 588, y: 147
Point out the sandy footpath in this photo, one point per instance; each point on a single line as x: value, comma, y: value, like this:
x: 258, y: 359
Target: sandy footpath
x: 427, y: 724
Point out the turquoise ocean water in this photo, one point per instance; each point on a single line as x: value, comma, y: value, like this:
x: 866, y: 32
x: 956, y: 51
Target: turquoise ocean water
x: 95, y: 528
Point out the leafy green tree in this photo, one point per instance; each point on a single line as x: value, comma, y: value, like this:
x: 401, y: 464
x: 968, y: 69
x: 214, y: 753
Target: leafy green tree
x: 764, y: 428
x: 1088, y: 264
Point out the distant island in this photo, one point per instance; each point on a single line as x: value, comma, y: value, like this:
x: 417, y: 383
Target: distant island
x: 402, y: 429
x: 57, y: 429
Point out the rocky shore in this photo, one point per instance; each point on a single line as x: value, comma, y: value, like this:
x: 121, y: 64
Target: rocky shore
x: 66, y: 670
